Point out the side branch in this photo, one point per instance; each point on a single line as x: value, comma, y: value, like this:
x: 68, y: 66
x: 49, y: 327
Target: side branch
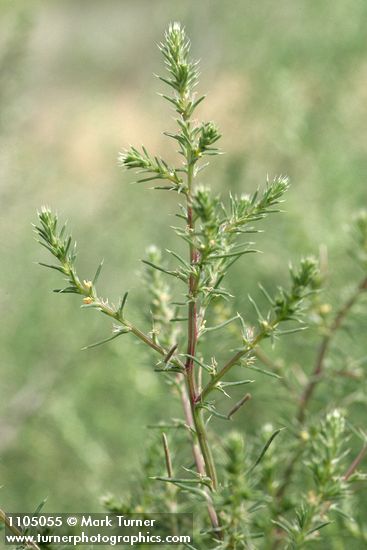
x: 231, y: 363
x: 316, y: 378
x: 324, y: 348
x: 105, y: 308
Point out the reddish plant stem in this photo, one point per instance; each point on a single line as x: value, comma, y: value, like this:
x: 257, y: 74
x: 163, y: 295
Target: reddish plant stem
x: 198, y: 458
x: 192, y: 334
x: 191, y: 346
x: 192, y: 310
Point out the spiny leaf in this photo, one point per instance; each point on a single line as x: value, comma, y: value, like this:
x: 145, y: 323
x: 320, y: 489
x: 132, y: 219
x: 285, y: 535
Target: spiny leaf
x: 98, y: 272
x: 266, y: 447
x: 166, y: 271
x: 213, y: 411
x: 254, y: 304
x: 201, y: 364
x: 122, y: 304
x: 56, y: 267
x: 233, y: 254
x: 106, y: 340
x: 238, y: 383
x: 221, y: 325
x: 203, y: 481
x: 318, y: 527
x: 261, y: 370
x: 40, y: 506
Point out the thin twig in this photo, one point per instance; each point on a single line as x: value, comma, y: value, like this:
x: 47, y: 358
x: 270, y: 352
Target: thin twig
x: 238, y: 405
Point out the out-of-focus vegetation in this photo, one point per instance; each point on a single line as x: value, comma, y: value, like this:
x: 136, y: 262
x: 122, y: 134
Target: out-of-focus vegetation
x: 288, y: 90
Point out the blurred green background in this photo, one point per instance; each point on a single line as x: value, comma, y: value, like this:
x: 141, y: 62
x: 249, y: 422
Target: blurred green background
x: 286, y: 83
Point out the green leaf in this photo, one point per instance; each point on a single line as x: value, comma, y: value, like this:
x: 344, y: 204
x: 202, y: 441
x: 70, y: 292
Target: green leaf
x: 262, y: 371
x: 266, y: 294
x: 122, y: 304
x: 98, y: 272
x: 266, y: 447
x: 169, y: 369
x: 164, y: 188
x: 166, y: 271
x: 106, y: 340
x: 232, y: 254
x: 169, y: 426
x: 40, y: 506
x: 67, y: 290
x: 193, y: 490
x: 201, y: 364
x: 238, y: 383
x: 254, y: 304
x: 56, y: 267
x: 221, y: 325
x: 290, y: 331
x: 179, y: 258
x: 318, y: 527
x: 213, y: 411
x: 283, y: 524
x: 203, y: 481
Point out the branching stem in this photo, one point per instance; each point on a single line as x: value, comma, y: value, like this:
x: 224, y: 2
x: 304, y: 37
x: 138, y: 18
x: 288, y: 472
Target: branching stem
x: 316, y: 377
x: 324, y: 348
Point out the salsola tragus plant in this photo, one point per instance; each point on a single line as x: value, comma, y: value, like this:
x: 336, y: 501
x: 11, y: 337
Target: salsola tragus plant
x: 246, y: 492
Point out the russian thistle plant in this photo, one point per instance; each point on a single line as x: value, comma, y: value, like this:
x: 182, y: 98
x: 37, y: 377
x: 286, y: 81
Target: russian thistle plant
x: 242, y: 483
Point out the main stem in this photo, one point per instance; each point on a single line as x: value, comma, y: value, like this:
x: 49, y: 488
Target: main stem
x: 192, y: 308
x: 197, y: 414
x: 198, y: 457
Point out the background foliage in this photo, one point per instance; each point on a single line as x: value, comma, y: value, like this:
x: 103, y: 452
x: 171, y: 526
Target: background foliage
x: 287, y: 88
